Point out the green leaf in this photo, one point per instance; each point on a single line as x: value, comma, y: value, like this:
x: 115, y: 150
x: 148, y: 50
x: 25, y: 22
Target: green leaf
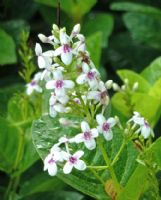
x: 148, y: 106
x: 59, y: 195
x: 136, y: 184
x: 135, y: 7
x: 10, y: 137
x: 40, y: 183
x: 155, y: 91
x: 94, y: 47
x: 133, y: 77
x: 7, y: 49
x: 144, y: 28
x: 99, y: 22
x: 153, y: 72
x: 78, y: 8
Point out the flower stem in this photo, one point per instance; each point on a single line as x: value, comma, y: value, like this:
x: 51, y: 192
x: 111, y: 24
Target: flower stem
x: 108, y: 163
x: 118, y: 153
x: 98, y: 167
x: 97, y: 176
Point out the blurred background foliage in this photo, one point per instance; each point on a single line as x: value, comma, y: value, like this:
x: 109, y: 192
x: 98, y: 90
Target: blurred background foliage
x: 120, y: 35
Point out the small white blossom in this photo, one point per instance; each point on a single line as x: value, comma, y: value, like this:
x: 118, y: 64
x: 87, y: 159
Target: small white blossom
x: 34, y: 84
x: 44, y: 59
x: 105, y: 126
x: 65, y: 50
x: 59, y: 84
x: 144, y: 128
x: 100, y: 95
x: 73, y: 161
x: 109, y: 84
x: 89, y: 76
x: 87, y: 136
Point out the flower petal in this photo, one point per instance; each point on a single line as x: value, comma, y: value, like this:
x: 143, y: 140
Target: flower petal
x: 84, y: 126
x: 100, y: 119
x: 49, y: 53
x: 93, y: 95
x: 63, y: 99
x: 59, y: 108
x: 78, y: 154
x: 90, y: 144
x: 67, y: 57
x: 108, y: 135
x: 85, y: 67
x: 50, y: 84
x: 67, y: 168
x: 58, y: 51
x: 41, y: 62
x: 80, y: 165
x: 79, y: 138
x: 145, y: 131
x: 81, y: 79
x: 68, y: 84
x: 38, y: 49
x: 111, y: 121
x: 52, y: 169
x: 52, y: 111
x: 94, y: 132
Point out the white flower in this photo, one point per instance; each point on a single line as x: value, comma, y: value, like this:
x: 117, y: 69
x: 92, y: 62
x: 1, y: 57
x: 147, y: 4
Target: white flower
x: 65, y: 51
x: 100, y: 95
x: 109, y: 84
x: 144, y: 128
x: 76, y: 30
x: 44, y: 59
x: 89, y: 76
x: 73, y: 161
x: 34, y: 84
x: 87, y: 136
x: 57, y: 104
x: 50, y: 164
x: 105, y: 126
x: 59, y: 84
x: 49, y: 71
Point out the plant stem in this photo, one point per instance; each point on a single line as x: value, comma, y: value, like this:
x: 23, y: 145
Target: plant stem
x: 13, y: 183
x: 108, y: 163
x: 97, y: 176
x: 118, y: 153
x: 98, y: 167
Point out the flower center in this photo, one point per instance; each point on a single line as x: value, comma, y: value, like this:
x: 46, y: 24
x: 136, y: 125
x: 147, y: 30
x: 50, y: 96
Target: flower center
x: 72, y: 160
x: 51, y: 161
x: 90, y: 75
x: 103, y: 94
x: 59, y: 84
x: 33, y: 83
x: 87, y: 135
x: 106, y: 126
x: 66, y: 48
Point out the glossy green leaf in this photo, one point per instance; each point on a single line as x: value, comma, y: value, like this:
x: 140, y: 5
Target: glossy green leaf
x: 133, y: 77
x: 135, y: 7
x: 135, y: 185
x: 143, y: 28
x: 9, y: 140
x: 77, y: 8
x: 57, y: 195
x: 99, y: 22
x: 153, y: 72
x: 7, y: 49
x: 94, y: 47
x: 155, y: 91
x: 40, y: 183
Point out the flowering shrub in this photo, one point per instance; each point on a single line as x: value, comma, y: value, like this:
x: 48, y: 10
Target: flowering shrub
x: 76, y: 134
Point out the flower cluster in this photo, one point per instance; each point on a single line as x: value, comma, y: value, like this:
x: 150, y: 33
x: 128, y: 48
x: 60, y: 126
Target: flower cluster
x: 75, y: 87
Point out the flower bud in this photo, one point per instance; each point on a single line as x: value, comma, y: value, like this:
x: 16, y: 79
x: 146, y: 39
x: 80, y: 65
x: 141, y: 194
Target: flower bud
x: 55, y: 27
x: 123, y: 87
x: 76, y: 29
x: 135, y: 86
x: 126, y: 81
x: 108, y: 84
x: 115, y: 87
x: 43, y: 38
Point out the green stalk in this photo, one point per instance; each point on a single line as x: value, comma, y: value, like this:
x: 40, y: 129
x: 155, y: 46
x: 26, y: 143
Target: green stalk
x: 110, y: 168
x: 118, y: 153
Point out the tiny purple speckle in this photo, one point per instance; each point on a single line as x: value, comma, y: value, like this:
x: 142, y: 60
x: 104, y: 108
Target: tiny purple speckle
x: 72, y: 160
x: 51, y: 161
x: 59, y: 84
x: 90, y: 75
x: 87, y: 135
x: 33, y: 83
x: 66, y: 48
x: 105, y: 126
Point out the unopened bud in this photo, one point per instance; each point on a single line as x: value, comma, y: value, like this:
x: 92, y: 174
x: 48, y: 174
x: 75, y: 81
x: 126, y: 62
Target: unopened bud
x: 76, y: 29
x: 43, y: 38
x: 126, y: 81
x: 55, y: 27
x: 135, y: 86
x: 123, y: 87
x: 115, y: 87
x: 109, y: 84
